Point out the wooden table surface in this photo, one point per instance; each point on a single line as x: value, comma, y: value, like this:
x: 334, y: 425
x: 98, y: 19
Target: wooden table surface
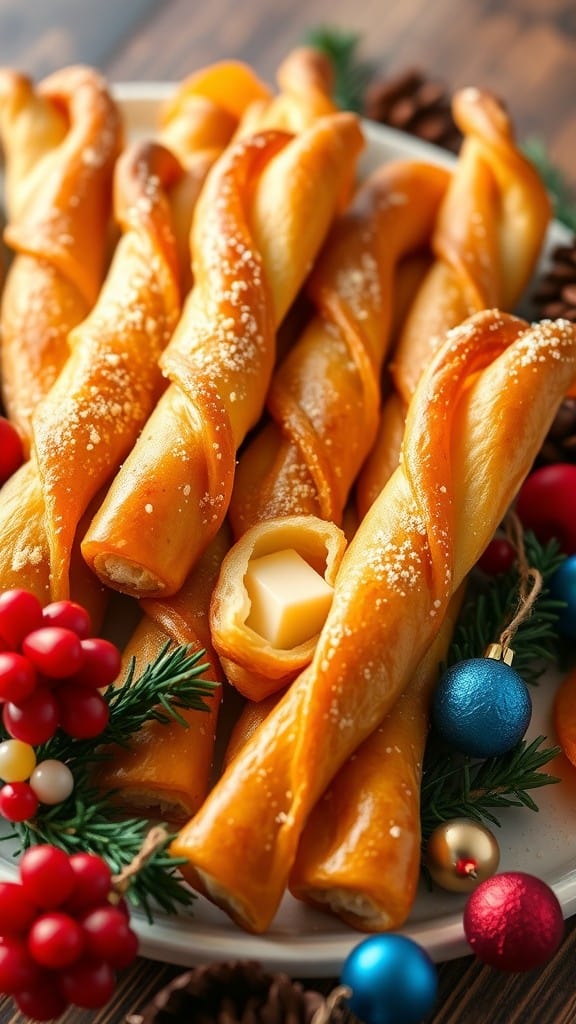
x: 525, y: 51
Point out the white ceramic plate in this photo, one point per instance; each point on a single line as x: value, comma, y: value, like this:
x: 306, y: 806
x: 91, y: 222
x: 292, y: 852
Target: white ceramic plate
x: 309, y: 943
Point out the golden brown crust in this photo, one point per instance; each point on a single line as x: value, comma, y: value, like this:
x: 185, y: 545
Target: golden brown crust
x: 324, y: 397
x: 410, y: 553
x: 360, y: 852
x: 250, y: 254
x: 167, y: 768
x: 95, y: 410
x: 488, y: 236
x: 59, y: 222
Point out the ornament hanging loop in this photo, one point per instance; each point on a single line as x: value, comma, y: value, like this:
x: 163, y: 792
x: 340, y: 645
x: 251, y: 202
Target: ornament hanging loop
x: 154, y: 840
x: 324, y: 1012
x: 530, y: 585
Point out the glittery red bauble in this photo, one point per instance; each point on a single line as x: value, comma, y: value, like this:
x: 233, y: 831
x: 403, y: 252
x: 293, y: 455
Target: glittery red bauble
x: 513, y: 921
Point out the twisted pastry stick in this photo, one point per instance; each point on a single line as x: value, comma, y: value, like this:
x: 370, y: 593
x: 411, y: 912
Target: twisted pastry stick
x: 360, y: 851
x: 197, y: 124
x: 261, y: 218
x: 306, y: 80
x: 487, y: 240
x: 323, y: 400
x: 94, y: 411
x: 494, y: 381
x: 60, y: 142
x: 348, y: 858
x: 24, y: 549
x: 167, y: 767
x: 93, y: 414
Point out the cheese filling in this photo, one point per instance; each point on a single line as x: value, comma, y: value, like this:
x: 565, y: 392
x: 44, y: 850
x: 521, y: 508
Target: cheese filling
x: 289, y: 599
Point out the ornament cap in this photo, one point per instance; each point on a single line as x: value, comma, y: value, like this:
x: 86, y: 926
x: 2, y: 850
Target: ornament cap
x: 500, y: 653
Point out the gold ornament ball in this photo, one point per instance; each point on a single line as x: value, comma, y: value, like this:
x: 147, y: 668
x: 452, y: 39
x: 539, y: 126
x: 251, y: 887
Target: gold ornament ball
x: 460, y: 854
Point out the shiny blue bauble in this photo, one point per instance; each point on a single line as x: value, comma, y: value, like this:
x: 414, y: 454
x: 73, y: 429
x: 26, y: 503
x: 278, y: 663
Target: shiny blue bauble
x: 563, y: 588
x: 481, y: 707
x: 393, y: 980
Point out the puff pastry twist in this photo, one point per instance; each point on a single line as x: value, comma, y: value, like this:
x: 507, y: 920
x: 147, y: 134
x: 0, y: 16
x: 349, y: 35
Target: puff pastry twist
x: 495, y: 380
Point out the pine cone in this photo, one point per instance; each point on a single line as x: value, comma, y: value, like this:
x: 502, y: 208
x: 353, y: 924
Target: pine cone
x: 555, y: 292
x: 235, y: 992
x: 412, y: 103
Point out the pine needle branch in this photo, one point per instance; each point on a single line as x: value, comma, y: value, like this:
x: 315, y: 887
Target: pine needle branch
x: 562, y: 195
x: 85, y: 822
x: 490, y: 607
x: 454, y: 786
x: 351, y: 73
x: 88, y: 820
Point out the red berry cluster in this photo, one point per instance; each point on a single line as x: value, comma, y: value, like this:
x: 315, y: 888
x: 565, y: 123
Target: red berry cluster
x: 61, y: 939
x: 51, y: 670
x: 11, y: 451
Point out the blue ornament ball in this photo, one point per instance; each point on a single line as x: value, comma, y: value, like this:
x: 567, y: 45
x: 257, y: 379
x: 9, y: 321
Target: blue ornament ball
x: 563, y: 588
x: 392, y: 980
x: 481, y: 707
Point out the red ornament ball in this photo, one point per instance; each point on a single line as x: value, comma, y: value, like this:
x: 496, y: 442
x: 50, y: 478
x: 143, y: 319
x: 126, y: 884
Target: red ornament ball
x: 498, y: 557
x: 546, y: 504
x: 11, y: 450
x: 513, y: 921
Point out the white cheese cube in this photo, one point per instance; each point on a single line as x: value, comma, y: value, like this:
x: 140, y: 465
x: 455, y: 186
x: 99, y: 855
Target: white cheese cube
x: 289, y: 599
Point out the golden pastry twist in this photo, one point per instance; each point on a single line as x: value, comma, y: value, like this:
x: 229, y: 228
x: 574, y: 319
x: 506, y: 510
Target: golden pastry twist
x: 324, y: 400
x: 488, y: 236
x: 494, y: 381
x: 60, y: 140
x: 90, y: 418
x: 260, y: 221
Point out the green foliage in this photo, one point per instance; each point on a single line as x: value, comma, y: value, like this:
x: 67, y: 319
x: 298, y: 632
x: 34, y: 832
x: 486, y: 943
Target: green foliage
x: 562, y: 196
x: 351, y: 73
x: 89, y: 820
x: 455, y: 785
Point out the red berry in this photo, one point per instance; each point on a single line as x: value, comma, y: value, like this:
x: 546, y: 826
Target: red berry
x: 88, y: 983
x: 498, y: 557
x: 17, y: 910
x: 20, y: 612
x: 68, y: 615
x: 546, y: 504
x: 17, y: 676
x: 34, y: 720
x: 18, y: 801
x: 11, y: 450
x: 56, y: 940
x: 47, y: 876
x: 43, y: 1000
x: 83, y: 712
x: 92, y: 882
x: 102, y: 663
x: 17, y: 968
x: 55, y: 651
x: 109, y: 937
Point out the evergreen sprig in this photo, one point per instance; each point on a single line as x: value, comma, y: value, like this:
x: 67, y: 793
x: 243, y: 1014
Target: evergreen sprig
x: 491, y: 606
x: 352, y: 73
x: 456, y: 785
x: 562, y: 195
x: 89, y: 820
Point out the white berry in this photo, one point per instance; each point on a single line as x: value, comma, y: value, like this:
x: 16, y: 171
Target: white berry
x: 52, y: 782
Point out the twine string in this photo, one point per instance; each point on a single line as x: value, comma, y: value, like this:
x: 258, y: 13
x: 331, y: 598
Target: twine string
x: 324, y: 1012
x: 153, y: 841
x: 530, y: 583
